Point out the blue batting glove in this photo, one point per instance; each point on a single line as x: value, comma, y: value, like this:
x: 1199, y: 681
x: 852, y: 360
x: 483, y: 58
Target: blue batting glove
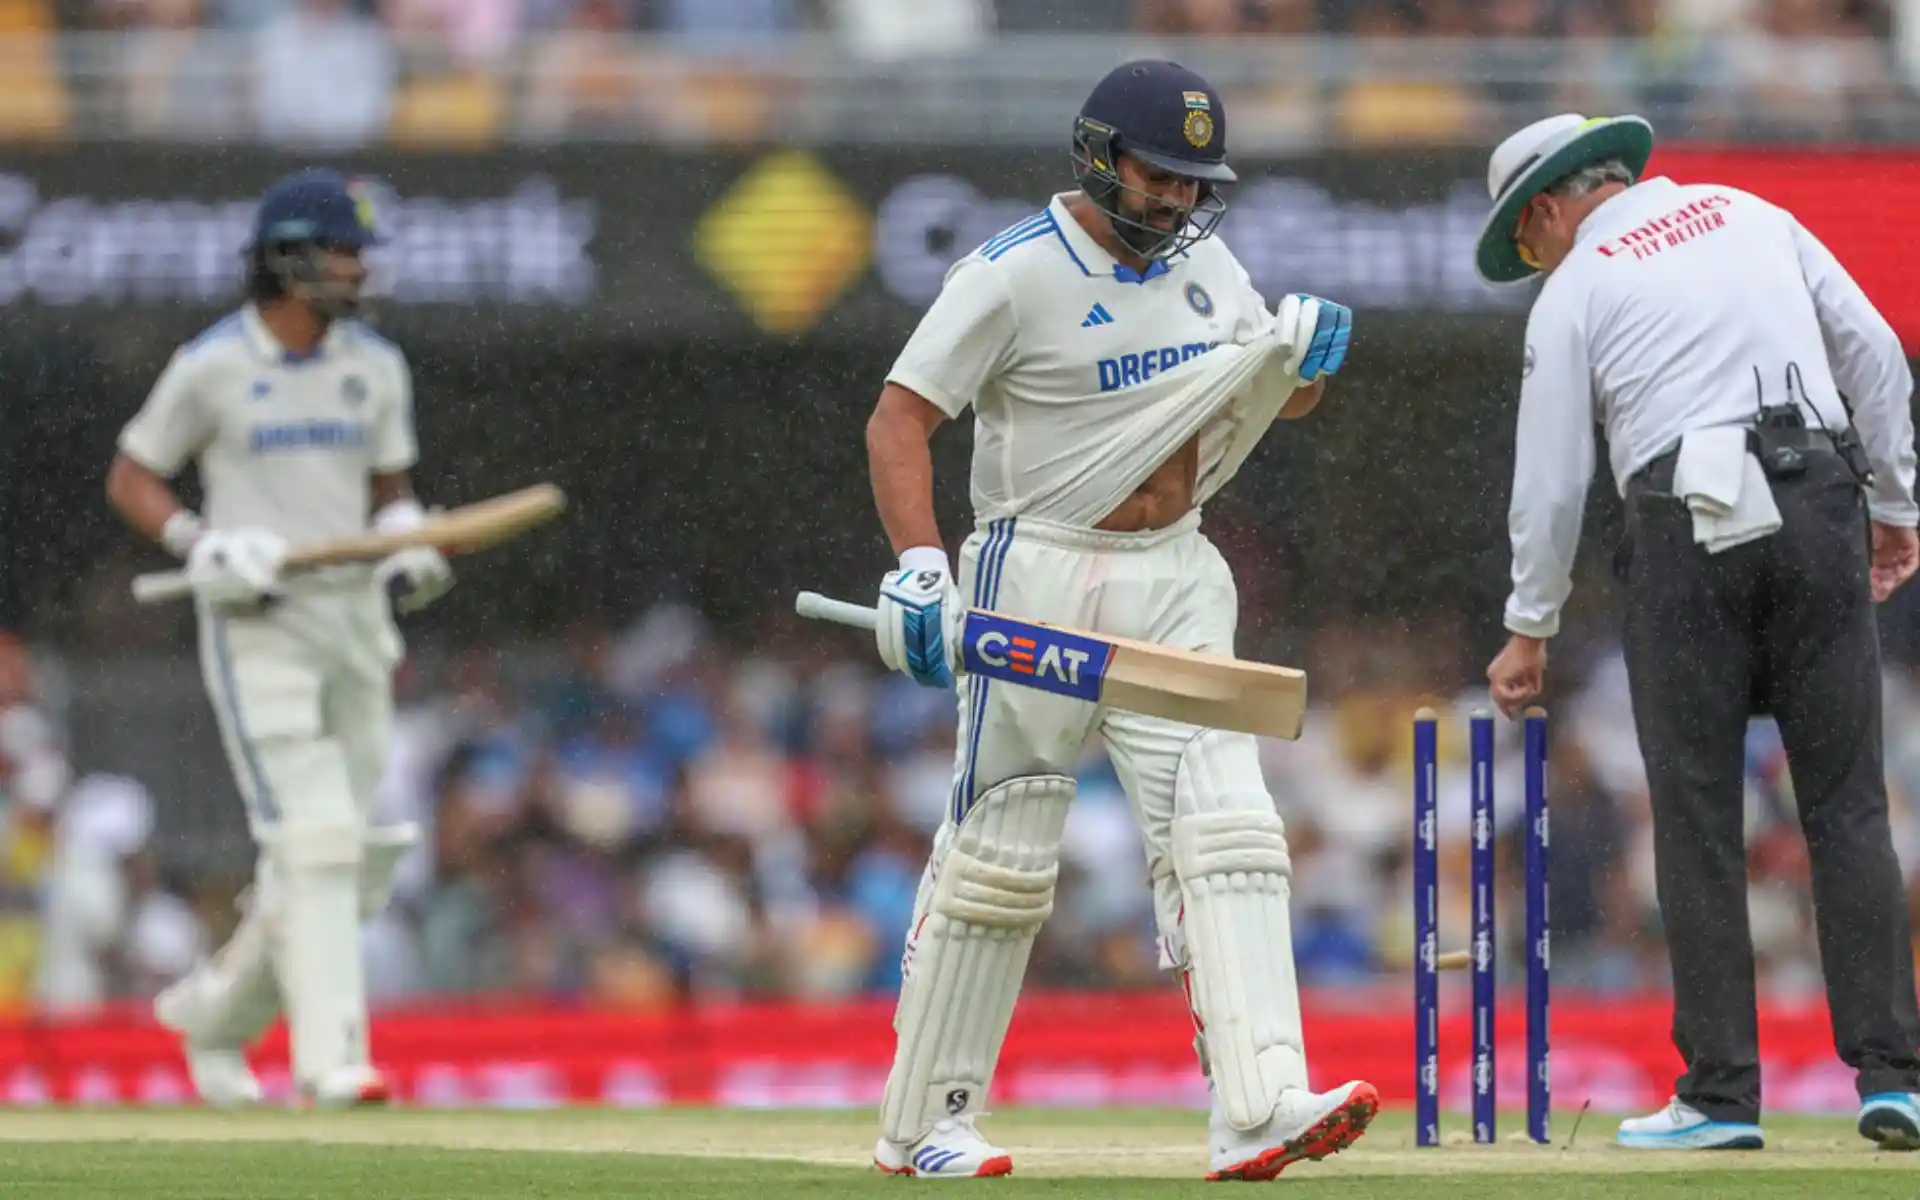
x: 1320, y: 331
x: 917, y: 624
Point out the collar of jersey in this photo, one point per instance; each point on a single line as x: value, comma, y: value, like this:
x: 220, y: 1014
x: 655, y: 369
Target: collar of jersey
x: 269, y: 348
x: 1601, y: 221
x: 1084, y: 249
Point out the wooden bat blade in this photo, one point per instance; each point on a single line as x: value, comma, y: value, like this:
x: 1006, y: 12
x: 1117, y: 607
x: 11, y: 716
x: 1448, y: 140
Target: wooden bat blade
x: 1209, y: 690
x: 457, y: 531
x: 461, y: 530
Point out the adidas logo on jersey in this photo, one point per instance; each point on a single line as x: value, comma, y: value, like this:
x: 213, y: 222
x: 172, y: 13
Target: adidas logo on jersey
x: 1097, y: 316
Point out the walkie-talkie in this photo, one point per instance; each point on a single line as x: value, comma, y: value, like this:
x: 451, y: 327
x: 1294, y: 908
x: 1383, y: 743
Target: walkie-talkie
x: 1779, y: 435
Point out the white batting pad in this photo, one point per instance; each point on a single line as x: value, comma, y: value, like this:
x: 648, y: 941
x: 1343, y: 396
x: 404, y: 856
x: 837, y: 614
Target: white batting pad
x: 1233, y: 870
x: 993, y: 889
x: 230, y: 999
x: 246, y: 994
x: 385, y: 847
x: 317, y: 954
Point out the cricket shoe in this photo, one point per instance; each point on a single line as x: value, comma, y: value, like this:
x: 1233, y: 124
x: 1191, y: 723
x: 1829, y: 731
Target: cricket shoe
x: 351, y: 1087
x: 1304, y: 1125
x: 953, y: 1150
x: 1681, y: 1126
x: 220, y: 1074
x: 1891, y: 1119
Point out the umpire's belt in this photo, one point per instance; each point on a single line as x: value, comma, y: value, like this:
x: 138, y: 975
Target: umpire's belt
x: 1657, y: 476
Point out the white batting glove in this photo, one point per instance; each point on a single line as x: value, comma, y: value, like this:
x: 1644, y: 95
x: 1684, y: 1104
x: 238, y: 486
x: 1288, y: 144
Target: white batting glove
x: 918, y: 620
x: 1318, y: 330
x: 236, y: 566
x: 414, y: 577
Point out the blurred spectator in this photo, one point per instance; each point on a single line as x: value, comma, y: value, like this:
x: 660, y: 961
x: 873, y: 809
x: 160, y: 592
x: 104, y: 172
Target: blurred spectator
x: 34, y: 771
x: 470, y: 32
x: 1391, y: 96
x: 34, y: 775
x: 1517, y: 71
x: 178, y: 83
x: 109, y: 929
x: 724, y: 24
x: 1801, y: 70
x: 887, y: 29
x: 605, y: 786
x: 323, y: 77
x: 1228, y: 18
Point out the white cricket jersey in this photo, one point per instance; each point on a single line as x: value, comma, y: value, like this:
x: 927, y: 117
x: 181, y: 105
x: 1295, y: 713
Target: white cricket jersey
x: 1681, y: 307
x: 284, y: 443
x: 1064, y: 353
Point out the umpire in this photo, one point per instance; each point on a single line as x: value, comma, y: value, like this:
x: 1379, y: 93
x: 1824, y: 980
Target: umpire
x: 1718, y: 342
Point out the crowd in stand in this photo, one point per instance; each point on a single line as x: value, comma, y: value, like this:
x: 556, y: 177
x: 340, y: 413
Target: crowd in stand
x: 332, y: 74
x: 654, y: 813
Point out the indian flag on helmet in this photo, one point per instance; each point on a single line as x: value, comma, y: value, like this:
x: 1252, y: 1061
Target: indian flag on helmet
x: 362, y: 204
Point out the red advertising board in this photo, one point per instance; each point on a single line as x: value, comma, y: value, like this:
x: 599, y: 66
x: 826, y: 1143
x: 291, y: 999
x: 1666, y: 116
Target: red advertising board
x: 1853, y: 200
x: 1066, y: 1049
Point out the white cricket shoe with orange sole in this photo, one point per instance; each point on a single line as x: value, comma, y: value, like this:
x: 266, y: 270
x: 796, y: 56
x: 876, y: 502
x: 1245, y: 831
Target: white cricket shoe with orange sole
x: 1304, y: 1125
x: 953, y: 1150
x: 351, y: 1087
x: 220, y: 1074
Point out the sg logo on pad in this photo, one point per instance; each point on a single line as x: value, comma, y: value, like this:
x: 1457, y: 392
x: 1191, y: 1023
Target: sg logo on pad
x: 1034, y: 655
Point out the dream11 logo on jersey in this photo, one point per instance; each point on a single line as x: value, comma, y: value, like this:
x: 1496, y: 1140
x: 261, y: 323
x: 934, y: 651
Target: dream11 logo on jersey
x: 529, y: 246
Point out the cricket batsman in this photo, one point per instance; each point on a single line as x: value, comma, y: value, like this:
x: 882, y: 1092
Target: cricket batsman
x: 300, y: 421
x: 1084, y: 338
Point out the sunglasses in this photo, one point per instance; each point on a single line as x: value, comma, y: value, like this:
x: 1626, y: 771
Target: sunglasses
x: 1519, y: 227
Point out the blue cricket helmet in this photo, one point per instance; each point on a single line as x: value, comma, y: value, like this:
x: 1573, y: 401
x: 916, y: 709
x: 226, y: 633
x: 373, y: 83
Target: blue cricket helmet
x: 1165, y: 114
x: 316, y: 205
x: 1169, y: 118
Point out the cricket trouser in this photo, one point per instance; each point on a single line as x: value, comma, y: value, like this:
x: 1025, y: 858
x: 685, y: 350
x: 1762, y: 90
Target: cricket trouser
x: 1215, y: 848
x: 302, y: 696
x: 1785, y: 625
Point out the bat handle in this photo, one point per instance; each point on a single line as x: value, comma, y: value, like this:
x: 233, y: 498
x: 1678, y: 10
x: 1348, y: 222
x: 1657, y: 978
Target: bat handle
x: 840, y: 612
x: 161, y: 587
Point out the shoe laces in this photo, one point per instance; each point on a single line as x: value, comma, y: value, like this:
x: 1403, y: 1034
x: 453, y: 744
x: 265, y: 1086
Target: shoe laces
x: 959, y: 1124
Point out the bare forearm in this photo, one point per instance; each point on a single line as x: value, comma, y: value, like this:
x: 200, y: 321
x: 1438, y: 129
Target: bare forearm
x: 901, y: 467
x: 143, y: 499
x: 387, y: 488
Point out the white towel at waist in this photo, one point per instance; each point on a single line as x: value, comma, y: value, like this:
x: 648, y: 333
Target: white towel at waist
x: 1725, y: 488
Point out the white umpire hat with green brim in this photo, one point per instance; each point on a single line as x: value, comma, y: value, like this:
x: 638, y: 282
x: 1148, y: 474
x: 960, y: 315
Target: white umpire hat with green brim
x: 1536, y: 158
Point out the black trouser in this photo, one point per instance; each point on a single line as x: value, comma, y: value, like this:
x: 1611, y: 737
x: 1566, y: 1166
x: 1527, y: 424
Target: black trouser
x: 1782, y: 625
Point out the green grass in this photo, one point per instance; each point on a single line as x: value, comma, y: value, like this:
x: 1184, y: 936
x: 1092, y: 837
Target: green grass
x: 694, y: 1154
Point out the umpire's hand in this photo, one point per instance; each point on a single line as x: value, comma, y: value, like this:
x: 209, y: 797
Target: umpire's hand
x: 1896, y: 552
x: 1518, y: 673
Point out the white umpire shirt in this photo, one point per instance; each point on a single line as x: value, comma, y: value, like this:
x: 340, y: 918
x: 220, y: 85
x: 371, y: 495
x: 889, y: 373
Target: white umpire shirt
x: 284, y: 442
x: 1655, y: 325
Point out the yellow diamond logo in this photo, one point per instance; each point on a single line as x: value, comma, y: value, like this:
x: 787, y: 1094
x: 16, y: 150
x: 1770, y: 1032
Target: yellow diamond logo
x: 786, y: 240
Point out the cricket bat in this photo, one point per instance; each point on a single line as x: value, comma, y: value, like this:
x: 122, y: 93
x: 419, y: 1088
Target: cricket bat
x: 455, y: 531
x: 1208, y: 690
